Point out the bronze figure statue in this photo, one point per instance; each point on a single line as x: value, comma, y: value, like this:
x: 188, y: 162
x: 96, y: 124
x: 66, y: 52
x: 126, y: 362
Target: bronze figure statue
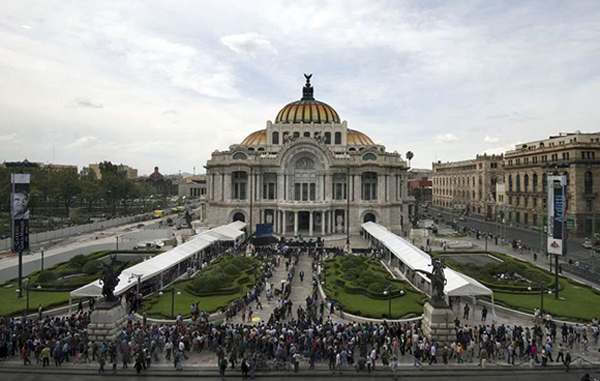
x: 110, y: 279
x: 437, y: 279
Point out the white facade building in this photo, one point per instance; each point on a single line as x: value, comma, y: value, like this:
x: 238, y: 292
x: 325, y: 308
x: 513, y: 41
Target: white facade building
x: 308, y: 173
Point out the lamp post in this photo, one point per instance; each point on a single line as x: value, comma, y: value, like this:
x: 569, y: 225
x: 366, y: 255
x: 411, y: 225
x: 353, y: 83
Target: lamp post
x: 173, y: 289
x: 139, y: 281
x: 542, y: 289
x: 19, y: 293
x: 42, y: 251
x: 387, y: 292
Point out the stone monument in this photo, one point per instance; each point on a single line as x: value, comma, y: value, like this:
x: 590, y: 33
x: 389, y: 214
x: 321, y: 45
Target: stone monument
x: 108, y: 318
x: 438, y: 318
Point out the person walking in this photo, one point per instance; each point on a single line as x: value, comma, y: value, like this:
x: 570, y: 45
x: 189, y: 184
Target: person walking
x: 45, y: 356
x: 433, y: 353
x: 484, y: 312
x: 245, y: 369
x: 394, y: 368
x: 568, y: 360
x: 467, y: 309
x: 222, y: 368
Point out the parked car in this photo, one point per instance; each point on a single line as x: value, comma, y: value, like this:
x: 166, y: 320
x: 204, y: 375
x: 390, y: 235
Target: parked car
x: 587, y: 243
x: 462, y: 218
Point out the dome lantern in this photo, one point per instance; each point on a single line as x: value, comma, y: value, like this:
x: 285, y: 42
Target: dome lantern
x: 307, y: 109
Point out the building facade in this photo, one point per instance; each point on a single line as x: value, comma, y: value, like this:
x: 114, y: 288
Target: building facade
x: 132, y: 173
x: 308, y: 173
x: 193, y: 187
x: 419, y: 180
x: 527, y: 167
x: 468, y: 186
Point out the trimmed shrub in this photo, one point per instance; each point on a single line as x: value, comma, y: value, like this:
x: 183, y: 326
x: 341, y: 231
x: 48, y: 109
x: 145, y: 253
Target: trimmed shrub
x: 231, y: 269
x: 92, y: 267
x: 47, y: 276
x: 78, y: 261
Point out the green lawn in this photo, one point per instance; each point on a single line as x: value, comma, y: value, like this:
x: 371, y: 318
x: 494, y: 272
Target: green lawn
x: 577, y: 301
x: 11, y: 305
x: 233, y: 286
x: 354, y: 291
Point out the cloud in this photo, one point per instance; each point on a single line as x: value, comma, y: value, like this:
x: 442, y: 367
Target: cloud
x: 25, y: 27
x: 446, y: 138
x: 87, y: 103
x: 8, y: 138
x: 84, y: 142
x: 172, y: 112
x: 489, y: 139
x: 248, y: 43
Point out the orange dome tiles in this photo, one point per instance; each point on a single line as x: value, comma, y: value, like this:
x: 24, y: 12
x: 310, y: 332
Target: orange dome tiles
x: 256, y: 138
x: 357, y: 138
x: 307, y: 111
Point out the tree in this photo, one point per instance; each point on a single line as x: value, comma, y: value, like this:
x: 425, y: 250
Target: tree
x: 417, y: 193
x: 409, y: 156
x: 68, y: 187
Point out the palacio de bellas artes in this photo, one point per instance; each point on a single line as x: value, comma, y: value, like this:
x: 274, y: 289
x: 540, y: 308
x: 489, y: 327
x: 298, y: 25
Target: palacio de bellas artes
x: 309, y: 189
x: 308, y: 173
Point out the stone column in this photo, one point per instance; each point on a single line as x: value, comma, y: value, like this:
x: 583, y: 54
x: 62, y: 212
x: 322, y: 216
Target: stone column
x: 322, y: 222
x: 310, y: 223
x: 295, y: 222
x: 283, y: 226
x: 331, y: 218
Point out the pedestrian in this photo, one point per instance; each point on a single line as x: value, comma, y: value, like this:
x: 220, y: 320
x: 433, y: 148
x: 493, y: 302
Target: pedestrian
x: 296, y: 359
x: 466, y: 311
x: 568, y: 360
x: 484, y: 312
x: 45, y: 356
x: 101, y: 361
x: 222, y: 368
x: 245, y: 368
x: 433, y: 352
x: 394, y: 368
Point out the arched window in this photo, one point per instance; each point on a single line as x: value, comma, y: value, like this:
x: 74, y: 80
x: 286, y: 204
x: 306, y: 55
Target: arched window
x: 545, y: 182
x: 239, y: 181
x: 338, y: 138
x: 307, y: 134
x: 239, y: 156
x: 369, y: 186
x: 328, y: 138
x: 275, y: 137
x: 510, y: 183
x: 369, y: 156
x: 296, y: 134
x: 369, y: 217
x: 588, y: 183
x: 526, y: 182
x: 518, y: 181
x: 534, y: 182
x: 239, y: 216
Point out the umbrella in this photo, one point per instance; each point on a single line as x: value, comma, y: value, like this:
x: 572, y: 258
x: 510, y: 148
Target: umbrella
x: 256, y: 319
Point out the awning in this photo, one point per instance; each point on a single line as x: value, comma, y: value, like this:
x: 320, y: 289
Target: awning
x: 416, y: 259
x: 164, y: 261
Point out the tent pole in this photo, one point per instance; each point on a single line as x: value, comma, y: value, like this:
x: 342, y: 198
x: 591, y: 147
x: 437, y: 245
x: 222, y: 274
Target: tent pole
x: 70, y: 302
x: 494, y: 317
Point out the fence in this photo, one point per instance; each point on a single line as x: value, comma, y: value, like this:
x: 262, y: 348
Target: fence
x: 5, y: 244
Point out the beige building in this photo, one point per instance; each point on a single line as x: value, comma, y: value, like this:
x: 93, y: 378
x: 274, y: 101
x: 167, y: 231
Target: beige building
x: 131, y: 172
x: 193, y: 187
x: 308, y: 173
x: 527, y: 166
x: 467, y: 186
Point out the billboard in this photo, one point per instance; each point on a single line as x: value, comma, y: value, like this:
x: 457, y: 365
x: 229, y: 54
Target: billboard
x: 19, y: 211
x: 557, y: 206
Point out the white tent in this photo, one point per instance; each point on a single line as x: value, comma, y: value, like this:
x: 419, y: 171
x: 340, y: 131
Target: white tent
x: 416, y: 259
x: 162, y: 262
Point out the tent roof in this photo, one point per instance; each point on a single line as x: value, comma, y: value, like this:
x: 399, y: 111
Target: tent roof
x: 164, y: 261
x: 416, y: 259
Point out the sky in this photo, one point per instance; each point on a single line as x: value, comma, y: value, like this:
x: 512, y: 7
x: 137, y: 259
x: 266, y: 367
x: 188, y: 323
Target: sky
x: 165, y: 83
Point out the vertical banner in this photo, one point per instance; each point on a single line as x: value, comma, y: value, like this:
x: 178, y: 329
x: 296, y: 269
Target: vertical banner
x: 556, y: 214
x: 19, y: 211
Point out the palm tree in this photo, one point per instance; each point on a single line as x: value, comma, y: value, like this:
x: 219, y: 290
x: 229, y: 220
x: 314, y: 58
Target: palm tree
x: 409, y: 156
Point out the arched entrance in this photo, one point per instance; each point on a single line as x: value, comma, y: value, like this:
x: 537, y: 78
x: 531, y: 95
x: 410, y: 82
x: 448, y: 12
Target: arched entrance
x: 369, y: 217
x: 239, y: 216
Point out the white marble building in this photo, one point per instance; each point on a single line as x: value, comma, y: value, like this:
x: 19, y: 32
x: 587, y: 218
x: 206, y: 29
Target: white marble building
x: 295, y: 175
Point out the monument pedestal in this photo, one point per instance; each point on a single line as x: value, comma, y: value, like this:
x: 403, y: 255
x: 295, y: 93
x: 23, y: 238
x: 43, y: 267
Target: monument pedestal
x: 106, y: 321
x: 438, y: 323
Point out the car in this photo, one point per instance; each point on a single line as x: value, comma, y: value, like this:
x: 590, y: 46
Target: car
x: 587, y: 243
x: 462, y: 218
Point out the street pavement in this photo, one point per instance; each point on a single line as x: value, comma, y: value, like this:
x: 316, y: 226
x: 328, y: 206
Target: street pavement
x: 528, y: 237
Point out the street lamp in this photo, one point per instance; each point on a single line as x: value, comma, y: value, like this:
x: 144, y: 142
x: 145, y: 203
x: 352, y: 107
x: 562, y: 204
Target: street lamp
x: 542, y: 289
x: 139, y: 281
x: 18, y: 291
x: 173, y: 289
x: 42, y: 250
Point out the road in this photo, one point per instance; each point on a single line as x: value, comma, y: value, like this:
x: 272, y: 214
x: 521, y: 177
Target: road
x: 514, y: 375
x: 527, y: 237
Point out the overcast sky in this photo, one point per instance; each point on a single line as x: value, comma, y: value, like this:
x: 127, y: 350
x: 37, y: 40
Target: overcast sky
x: 165, y: 83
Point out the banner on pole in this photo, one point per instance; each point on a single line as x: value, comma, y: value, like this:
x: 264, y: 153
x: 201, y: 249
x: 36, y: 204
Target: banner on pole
x: 556, y: 214
x: 19, y: 211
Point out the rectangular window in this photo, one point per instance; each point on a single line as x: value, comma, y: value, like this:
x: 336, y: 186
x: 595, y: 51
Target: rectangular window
x: 313, y: 191
x: 534, y: 221
x: 589, y: 205
x: 526, y: 199
x: 526, y: 218
x: 297, y: 191
x: 304, y: 191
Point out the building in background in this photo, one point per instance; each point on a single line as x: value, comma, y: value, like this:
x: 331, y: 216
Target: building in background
x: 308, y: 173
x: 132, y: 173
x: 59, y: 167
x: 193, y: 187
x: 420, y: 179
x: 164, y: 185
x: 527, y: 166
x: 468, y: 186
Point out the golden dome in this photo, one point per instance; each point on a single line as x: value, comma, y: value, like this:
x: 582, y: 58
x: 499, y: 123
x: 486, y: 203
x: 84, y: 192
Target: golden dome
x: 354, y: 138
x: 307, y: 109
x: 357, y: 138
x: 257, y: 138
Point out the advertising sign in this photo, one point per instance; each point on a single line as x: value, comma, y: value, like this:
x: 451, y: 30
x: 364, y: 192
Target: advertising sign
x: 556, y: 214
x: 19, y: 211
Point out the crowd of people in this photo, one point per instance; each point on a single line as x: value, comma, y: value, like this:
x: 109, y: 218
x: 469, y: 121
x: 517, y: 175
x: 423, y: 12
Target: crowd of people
x: 286, y: 341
